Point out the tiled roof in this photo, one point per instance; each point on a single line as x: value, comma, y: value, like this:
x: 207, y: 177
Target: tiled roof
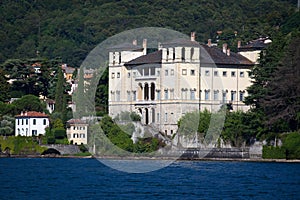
x: 215, y: 55
x: 254, y: 45
x: 150, y: 58
x: 181, y: 43
x: 76, y: 121
x: 126, y: 47
x: 32, y: 114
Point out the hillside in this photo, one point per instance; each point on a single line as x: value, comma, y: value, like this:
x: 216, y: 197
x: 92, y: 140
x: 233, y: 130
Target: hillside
x: 70, y: 30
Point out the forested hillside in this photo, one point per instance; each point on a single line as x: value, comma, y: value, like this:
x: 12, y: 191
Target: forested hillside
x: 70, y: 29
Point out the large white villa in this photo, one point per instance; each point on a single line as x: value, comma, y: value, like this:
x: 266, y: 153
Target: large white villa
x: 180, y: 77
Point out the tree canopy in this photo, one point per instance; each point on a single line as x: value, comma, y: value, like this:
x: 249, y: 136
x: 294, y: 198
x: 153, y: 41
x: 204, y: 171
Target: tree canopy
x: 69, y: 30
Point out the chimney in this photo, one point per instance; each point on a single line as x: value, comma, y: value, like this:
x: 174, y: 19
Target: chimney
x: 193, y: 36
x: 209, y: 42
x: 145, y: 46
x: 228, y: 52
x: 225, y: 48
x: 134, y: 42
x: 239, y: 44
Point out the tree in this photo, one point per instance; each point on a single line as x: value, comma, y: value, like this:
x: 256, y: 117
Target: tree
x: 264, y: 71
x: 4, y: 87
x: 29, y: 103
x: 59, y: 92
x: 281, y: 103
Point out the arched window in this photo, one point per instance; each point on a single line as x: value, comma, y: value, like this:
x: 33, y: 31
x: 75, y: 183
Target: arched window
x: 34, y: 121
x: 183, y: 54
x: 192, y: 53
x: 44, y: 122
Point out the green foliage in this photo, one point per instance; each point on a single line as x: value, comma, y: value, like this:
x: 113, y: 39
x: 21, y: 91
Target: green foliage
x: 58, y: 124
x: 29, y: 103
x: 59, y: 133
x: 292, y: 145
x: 7, y: 125
x: 21, y: 145
x: 50, y: 140
x: 121, y: 137
x: 59, y: 92
x: 70, y: 31
x: 270, y: 152
x: 4, y: 87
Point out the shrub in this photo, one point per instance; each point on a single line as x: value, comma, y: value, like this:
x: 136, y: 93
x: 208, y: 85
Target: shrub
x: 292, y: 145
x: 270, y: 152
x: 51, y: 140
x: 59, y: 133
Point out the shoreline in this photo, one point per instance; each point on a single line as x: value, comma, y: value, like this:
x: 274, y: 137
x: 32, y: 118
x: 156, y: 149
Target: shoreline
x: 155, y: 158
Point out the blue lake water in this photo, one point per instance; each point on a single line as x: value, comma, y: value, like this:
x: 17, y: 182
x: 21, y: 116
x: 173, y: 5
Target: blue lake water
x: 64, y: 178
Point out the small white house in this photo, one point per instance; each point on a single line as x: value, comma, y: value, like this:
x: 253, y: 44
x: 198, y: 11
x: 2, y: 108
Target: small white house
x: 77, y: 131
x: 31, y: 123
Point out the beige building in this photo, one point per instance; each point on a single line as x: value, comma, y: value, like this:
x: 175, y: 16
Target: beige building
x: 180, y: 77
x: 77, y: 131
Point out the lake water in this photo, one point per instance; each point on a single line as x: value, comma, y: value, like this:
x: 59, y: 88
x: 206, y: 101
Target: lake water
x: 64, y: 178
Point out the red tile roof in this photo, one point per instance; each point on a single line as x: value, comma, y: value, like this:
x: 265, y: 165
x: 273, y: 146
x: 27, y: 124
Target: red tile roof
x: 76, y: 121
x: 32, y: 114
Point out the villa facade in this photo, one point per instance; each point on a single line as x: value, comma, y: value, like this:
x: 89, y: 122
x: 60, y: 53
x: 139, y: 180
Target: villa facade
x: 31, y: 123
x: 180, y: 77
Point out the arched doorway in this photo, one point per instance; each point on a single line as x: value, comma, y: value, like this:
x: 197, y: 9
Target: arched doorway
x: 153, y: 115
x: 146, y: 92
x: 152, y: 93
x: 146, y: 116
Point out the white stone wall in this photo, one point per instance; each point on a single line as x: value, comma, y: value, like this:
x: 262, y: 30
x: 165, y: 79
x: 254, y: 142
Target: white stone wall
x: 180, y: 87
x: 26, y: 126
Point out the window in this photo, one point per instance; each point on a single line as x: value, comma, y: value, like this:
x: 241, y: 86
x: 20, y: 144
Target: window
x: 216, y: 95
x: 26, y: 121
x: 158, y: 94
x: 34, y: 132
x: 183, y: 71
x: 206, y: 94
x: 22, y: 122
x: 224, y: 96
x: 113, y: 75
x: 166, y: 72
x: 233, y: 93
x: 34, y: 121
x: 128, y: 75
x: 242, y: 74
x: 192, y: 94
x: 172, y: 72
x: 18, y: 122
x: 224, y: 73
x: 134, y: 95
x: 232, y: 74
x: 74, y: 135
x: 206, y: 72
x: 192, y: 72
x: 215, y: 73
x: 152, y: 71
x: 166, y: 117
x: 44, y: 122
x: 83, y: 135
x: 118, y: 75
x: 128, y: 96
x: 118, y: 95
x: 157, y: 117
x: 166, y: 94
x: 242, y: 95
